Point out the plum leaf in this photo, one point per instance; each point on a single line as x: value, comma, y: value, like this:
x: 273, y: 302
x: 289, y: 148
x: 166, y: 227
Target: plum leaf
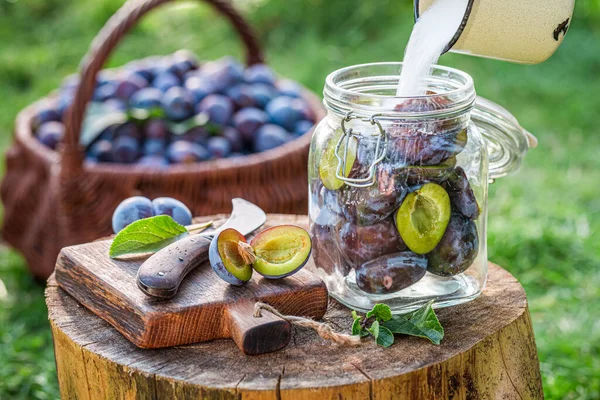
x: 422, y: 323
x: 147, y: 235
x: 380, y: 311
x: 385, y: 337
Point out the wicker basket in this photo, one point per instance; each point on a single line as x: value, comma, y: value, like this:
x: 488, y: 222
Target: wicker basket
x: 54, y: 199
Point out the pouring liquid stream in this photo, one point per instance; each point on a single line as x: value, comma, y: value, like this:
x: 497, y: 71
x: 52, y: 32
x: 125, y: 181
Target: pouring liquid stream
x: 430, y: 35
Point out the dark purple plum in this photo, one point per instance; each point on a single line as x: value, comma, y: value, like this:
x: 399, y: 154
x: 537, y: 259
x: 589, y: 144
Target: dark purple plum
x: 197, y: 134
x: 183, y: 152
x: 182, y: 62
x: 235, y: 155
x: 46, y: 113
x: 281, y: 251
x: 226, y: 259
x: 153, y: 161
x: 283, y: 112
x: 223, y: 73
x: 178, y: 104
x: 125, y: 150
x: 165, y: 81
x: 131, y: 210
x: 219, y: 108
x: 461, y: 194
x: 421, y: 174
x: 102, y: 150
x: 241, y: 95
x: 129, y: 85
x: 270, y: 136
x: 391, y: 273
x: 65, y: 99
x: 302, y: 126
x: 141, y: 68
x: 235, y: 138
x: 129, y: 129
x: 153, y: 147
x: 51, y: 134
x: 248, y: 120
x: 173, y: 208
x: 105, y: 92
x: 156, y: 128
x: 218, y: 146
x: 147, y: 98
x: 360, y: 244
x: 417, y: 147
x: 289, y: 88
x: 457, y: 249
x: 326, y: 253
x: 259, y: 73
x: 367, y: 206
x: 198, y: 87
x: 262, y: 94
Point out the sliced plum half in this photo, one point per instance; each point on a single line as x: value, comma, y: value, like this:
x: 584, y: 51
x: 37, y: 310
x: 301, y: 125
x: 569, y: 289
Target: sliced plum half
x: 329, y: 162
x: 227, y: 258
x: 423, y: 217
x: 280, y: 251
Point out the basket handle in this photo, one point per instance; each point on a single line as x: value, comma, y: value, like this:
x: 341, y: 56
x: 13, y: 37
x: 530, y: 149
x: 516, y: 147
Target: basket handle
x: 102, y: 46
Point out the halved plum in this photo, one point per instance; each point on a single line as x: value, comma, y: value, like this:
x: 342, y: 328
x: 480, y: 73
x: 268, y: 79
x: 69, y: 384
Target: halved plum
x: 329, y: 162
x: 227, y: 260
x: 281, y: 251
x: 423, y: 217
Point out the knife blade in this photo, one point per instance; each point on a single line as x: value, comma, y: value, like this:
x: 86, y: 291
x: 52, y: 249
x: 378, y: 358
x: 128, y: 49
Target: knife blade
x: 162, y: 273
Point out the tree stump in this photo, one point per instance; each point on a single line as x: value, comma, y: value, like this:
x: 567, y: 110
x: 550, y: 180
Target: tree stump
x: 488, y: 352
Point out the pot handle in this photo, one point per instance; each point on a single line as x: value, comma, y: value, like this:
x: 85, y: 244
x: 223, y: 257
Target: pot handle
x: 507, y: 142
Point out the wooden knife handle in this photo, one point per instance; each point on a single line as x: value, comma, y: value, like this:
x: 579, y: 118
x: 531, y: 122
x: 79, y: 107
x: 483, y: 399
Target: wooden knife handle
x: 257, y: 335
x: 162, y: 273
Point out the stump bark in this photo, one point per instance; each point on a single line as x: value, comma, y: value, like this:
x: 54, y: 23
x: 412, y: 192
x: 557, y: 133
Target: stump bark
x: 488, y: 352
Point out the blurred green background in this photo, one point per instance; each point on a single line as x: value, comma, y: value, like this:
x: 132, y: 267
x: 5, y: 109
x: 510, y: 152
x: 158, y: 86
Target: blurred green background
x: 544, y: 222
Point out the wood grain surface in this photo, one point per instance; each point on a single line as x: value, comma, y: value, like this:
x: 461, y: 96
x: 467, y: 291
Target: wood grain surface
x: 488, y: 353
x: 199, y: 311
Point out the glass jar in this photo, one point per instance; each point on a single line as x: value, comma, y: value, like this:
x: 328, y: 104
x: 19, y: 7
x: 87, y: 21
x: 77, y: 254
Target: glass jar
x: 398, y: 187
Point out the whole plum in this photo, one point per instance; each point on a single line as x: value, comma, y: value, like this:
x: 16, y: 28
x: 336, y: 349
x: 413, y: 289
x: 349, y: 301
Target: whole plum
x: 326, y: 254
x: 367, y: 206
x: 270, y: 136
x: 248, y: 121
x: 262, y: 94
x: 131, y: 210
x: 199, y: 87
x: 219, y: 108
x: 157, y: 128
x: 153, y: 161
x: 364, y: 243
x: 218, y: 146
x: 235, y: 138
x: 284, y: 112
x: 46, y: 113
x: 259, y: 73
x: 418, y: 147
x: 391, y: 273
x: 288, y: 87
x: 51, y: 134
x: 241, y: 95
x: 128, y: 129
x: 164, y: 81
x: 129, y: 85
x: 101, y: 150
x: 178, y: 104
x: 457, y: 249
x: 125, y: 150
x: 153, y: 147
x: 183, y: 152
x: 147, y: 98
x: 173, y: 208
x: 461, y: 194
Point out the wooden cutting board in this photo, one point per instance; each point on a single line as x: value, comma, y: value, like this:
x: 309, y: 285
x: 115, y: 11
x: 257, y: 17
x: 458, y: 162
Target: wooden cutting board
x: 204, y: 308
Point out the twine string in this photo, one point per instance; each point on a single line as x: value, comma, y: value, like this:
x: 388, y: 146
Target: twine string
x: 324, y: 330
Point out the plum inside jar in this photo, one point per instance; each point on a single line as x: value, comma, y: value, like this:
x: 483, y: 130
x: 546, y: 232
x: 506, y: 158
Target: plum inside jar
x: 397, y: 199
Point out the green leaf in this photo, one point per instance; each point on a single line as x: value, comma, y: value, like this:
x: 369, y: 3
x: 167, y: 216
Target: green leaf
x: 355, y: 315
x: 179, y: 128
x: 98, y: 117
x: 380, y: 311
x: 422, y: 323
x: 356, y: 328
x: 147, y: 235
x: 385, y: 337
x: 374, y: 329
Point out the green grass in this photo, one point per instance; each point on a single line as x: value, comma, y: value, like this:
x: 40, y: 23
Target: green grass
x: 544, y: 222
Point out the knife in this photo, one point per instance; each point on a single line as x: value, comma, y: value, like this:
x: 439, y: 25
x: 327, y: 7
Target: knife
x: 162, y: 273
